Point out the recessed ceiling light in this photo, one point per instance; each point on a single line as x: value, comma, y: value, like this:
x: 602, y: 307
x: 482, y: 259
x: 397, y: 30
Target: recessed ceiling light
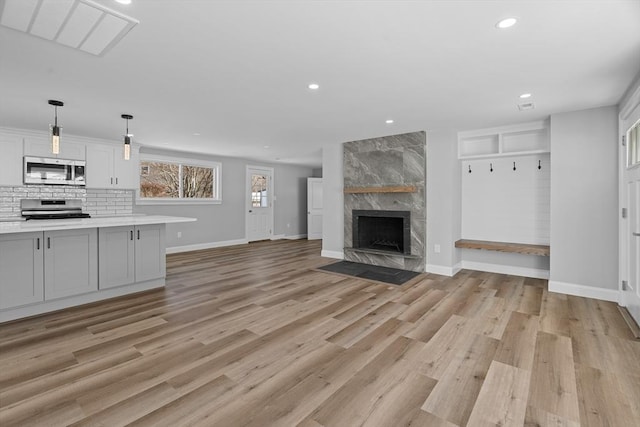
x: 314, y: 86
x: 506, y: 23
x: 124, y: 1
x: 525, y: 95
x: 196, y: 134
x: 266, y: 147
x: 389, y: 121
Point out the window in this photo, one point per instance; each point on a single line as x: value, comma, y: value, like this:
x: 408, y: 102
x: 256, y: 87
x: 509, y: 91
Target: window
x: 170, y: 180
x: 633, y: 145
x: 259, y: 191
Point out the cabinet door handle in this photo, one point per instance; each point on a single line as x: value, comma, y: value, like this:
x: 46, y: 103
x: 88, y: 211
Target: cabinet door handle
x: 138, y: 234
x: 131, y: 234
x: 38, y: 247
x: 116, y: 180
x: 48, y: 242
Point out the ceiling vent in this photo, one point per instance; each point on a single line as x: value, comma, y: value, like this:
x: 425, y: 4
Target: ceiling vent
x: 526, y: 106
x: 79, y: 24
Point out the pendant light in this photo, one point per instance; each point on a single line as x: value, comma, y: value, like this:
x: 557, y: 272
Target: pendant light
x: 127, y: 137
x: 55, y: 129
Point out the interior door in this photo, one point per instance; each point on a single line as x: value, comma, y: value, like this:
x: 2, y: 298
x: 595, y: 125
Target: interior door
x: 632, y: 291
x: 259, y: 218
x: 314, y: 208
x: 631, y: 233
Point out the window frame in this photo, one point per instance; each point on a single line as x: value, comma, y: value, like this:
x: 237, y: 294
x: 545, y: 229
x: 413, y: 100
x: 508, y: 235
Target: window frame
x: 182, y: 161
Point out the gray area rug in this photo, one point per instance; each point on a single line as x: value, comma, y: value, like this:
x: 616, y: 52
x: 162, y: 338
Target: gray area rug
x: 392, y: 276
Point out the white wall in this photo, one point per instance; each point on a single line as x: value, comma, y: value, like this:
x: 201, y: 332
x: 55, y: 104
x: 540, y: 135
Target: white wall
x: 221, y: 224
x: 333, y: 202
x: 584, y: 203
x: 443, y: 201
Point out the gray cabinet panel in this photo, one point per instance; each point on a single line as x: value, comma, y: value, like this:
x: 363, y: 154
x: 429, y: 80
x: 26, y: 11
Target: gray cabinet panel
x: 116, y: 256
x: 70, y: 262
x: 150, y: 252
x: 21, y: 269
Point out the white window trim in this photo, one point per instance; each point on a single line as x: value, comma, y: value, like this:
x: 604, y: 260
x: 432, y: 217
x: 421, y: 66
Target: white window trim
x: 216, y: 166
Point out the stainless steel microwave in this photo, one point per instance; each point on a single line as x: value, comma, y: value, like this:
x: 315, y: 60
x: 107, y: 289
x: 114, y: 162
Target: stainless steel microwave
x: 40, y: 170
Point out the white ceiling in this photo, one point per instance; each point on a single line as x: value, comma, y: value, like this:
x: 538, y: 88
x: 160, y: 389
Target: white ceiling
x: 236, y: 72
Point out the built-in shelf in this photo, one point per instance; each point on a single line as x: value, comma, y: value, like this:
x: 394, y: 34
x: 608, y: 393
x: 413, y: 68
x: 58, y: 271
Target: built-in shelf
x: 520, y: 248
x: 522, y: 139
x: 388, y: 189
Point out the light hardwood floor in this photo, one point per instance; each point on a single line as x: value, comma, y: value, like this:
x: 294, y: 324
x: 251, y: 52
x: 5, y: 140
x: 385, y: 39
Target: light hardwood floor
x: 253, y: 335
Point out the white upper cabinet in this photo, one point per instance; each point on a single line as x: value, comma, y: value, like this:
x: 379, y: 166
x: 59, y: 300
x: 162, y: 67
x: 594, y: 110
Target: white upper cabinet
x: 515, y: 140
x: 40, y: 146
x: 106, y: 167
x: 10, y: 160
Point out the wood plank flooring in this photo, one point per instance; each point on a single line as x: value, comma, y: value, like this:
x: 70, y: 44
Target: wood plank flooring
x: 254, y: 335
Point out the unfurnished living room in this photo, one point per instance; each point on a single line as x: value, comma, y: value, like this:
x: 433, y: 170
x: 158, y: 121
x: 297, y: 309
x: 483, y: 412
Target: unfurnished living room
x: 320, y: 213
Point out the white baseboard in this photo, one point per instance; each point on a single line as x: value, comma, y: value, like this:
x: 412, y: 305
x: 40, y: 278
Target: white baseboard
x: 295, y: 237
x: 584, y: 291
x: 290, y: 237
x: 209, y: 245
x: 506, y: 269
x: 332, y: 254
x: 443, y: 270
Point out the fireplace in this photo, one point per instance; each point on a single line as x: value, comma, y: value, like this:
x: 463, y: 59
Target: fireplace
x: 382, y: 231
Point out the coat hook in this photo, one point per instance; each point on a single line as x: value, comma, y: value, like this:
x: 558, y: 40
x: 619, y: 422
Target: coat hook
x: 539, y: 165
x: 469, y: 168
x: 490, y: 167
x: 514, y: 165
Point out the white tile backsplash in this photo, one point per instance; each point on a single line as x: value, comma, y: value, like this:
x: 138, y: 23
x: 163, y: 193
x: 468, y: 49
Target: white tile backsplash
x: 95, y: 202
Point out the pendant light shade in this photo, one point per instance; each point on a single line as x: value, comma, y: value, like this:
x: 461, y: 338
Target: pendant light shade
x: 127, y: 137
x: 55, y: 129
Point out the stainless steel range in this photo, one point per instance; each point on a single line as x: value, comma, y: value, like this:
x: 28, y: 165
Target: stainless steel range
x: 52, y: 209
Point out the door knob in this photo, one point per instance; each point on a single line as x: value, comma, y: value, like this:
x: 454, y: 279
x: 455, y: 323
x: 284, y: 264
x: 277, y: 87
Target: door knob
x: 636, y: 234
x: 250, y: 211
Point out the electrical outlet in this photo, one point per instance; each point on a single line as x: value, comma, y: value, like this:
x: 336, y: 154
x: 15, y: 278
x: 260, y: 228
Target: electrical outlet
x: 436, y: 248
x: 179, y: 234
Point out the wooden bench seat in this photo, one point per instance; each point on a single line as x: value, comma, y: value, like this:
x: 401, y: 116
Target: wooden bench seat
x: 519, y: 248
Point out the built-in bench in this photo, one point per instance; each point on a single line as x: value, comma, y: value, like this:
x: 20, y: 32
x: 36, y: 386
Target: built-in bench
x: 519, y: 248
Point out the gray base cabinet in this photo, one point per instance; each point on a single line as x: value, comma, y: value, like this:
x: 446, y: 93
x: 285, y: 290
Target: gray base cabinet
x: 21, y: 269
x: 131, y: 254
x: 70, y: 262
x: 116, y: 256
x: 150, y: 252
x: 36, y: 267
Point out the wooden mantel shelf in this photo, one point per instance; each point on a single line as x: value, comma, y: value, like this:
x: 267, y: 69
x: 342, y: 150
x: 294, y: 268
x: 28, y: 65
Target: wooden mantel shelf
x: 391, y: 189
x: 520, y: 248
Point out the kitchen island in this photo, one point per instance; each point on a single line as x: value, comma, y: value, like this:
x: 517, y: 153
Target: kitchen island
x: 48, y: 265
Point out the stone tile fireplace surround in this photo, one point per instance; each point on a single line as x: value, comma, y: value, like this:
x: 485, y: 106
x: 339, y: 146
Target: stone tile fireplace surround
x: 386, y: 174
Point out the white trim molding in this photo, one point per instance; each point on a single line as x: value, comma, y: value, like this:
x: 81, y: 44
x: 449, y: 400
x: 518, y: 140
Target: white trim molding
x: 332, y: 254
x: 289, y: 237
x: 295, y: 237
x: 209, y: 245
x: 584, y: 291
x: 443, y: 270
x: 535, y: 273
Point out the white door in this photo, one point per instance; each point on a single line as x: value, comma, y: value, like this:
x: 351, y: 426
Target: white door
x: 259, y: 203
x: 314, y: 208
x: 631, y: 227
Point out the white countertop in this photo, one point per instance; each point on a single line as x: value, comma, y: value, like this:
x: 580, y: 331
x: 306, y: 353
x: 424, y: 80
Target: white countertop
x: 97, y: 222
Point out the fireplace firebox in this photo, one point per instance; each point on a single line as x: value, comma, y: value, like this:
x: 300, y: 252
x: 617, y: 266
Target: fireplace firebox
x: 385, y: 231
